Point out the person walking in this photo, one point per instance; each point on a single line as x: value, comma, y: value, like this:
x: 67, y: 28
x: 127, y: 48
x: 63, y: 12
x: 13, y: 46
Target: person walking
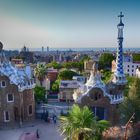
x: 37, y: 134
x: 54, y: 119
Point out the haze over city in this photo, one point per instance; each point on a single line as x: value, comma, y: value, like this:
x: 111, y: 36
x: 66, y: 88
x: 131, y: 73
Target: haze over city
x: 67, y: 24
x: 69, y: 69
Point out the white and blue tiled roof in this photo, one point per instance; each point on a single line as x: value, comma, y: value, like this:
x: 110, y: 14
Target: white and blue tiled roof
x: 12, y: 72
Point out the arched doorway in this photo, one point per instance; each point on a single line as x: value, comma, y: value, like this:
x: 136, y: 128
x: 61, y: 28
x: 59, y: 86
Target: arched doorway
x: 99, y: 112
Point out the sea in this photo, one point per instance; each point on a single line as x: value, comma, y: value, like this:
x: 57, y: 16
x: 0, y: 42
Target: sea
x: 86, y: 49
x: 89, y: 49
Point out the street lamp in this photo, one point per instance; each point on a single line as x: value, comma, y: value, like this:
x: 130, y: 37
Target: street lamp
x: 127, y: 124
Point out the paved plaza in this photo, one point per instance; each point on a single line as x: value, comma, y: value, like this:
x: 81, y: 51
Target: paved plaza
x: 47, y: 131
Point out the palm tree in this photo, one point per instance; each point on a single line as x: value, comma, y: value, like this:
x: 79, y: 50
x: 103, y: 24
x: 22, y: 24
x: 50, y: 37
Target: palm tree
x: 40, y: 72
x: 81, y: 124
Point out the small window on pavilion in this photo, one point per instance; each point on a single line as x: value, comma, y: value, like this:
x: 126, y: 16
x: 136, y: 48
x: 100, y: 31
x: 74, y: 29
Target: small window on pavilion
x: 28, y: 82
x: 96, y: 96
x: 30, y: 110
x: 3, y: 84
x: 10, y: 98
x: 111, y: 92
x: 6, y: 116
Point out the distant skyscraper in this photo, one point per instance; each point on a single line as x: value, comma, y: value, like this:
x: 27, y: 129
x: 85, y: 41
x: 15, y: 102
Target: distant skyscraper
x: 42, y: 49
x: 47, y: 48
x: 60, y: 58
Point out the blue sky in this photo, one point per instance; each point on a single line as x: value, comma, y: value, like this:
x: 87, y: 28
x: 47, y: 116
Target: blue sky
x: 68, y: 23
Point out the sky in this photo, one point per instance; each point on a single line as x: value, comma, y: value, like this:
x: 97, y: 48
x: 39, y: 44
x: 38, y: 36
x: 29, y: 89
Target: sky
x: 68, y: 23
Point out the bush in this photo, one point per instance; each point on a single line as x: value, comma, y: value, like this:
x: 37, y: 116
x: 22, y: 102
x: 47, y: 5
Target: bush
x: 67, y: 75
x: 39, y: 93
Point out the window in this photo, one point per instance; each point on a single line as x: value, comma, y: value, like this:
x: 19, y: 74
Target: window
x: 132, y: 66
x: 119, y: 87
x: 128, y: 66
x: 111, y: 92
x: 28, y: 82
x: 6, y: 116
x: 64, y: 95
x: 30, y: 110
x: 3, y: 84
x: 132, y: 70
x: 64, y: 84
x: 128, y: 70
x: 97, y: 96
x: 10, y: 98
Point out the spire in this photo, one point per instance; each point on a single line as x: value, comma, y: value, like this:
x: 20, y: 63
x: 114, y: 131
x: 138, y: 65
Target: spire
x: 119, y: 77
x: 95, y: 77
x: 1, y: 46
x: 2, y: 55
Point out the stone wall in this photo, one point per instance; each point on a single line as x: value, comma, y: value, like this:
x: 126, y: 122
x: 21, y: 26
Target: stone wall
x: 101, y: 101
x: 14, y: 107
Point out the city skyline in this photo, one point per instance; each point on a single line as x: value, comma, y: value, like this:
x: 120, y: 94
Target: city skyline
x: 68, y: 24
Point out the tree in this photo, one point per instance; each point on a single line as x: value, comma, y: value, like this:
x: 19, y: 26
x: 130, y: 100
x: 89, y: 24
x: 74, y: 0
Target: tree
x: 39, y: 93
x: 85, y: 58
x: 67, y: 75
x: 130, y: 81
x: 55, y: 85
x: 131, y: 103
x: 40, y: 72
x: 81, y: 124
x: 79, y: 65
x: 55, y: 65
x: 106, y: 75
x: 136, y: 57
x: 105, y: 61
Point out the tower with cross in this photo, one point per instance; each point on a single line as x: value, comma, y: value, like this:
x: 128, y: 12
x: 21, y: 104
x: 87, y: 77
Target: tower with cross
x: 103, y: 98
x: 119, y: 76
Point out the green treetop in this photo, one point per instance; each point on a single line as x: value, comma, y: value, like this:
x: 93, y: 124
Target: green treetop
x: 81, y: 124
x: 40, y: 72
x: 67, y: 75
x: 105, y: 61
x: 131, y: 103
